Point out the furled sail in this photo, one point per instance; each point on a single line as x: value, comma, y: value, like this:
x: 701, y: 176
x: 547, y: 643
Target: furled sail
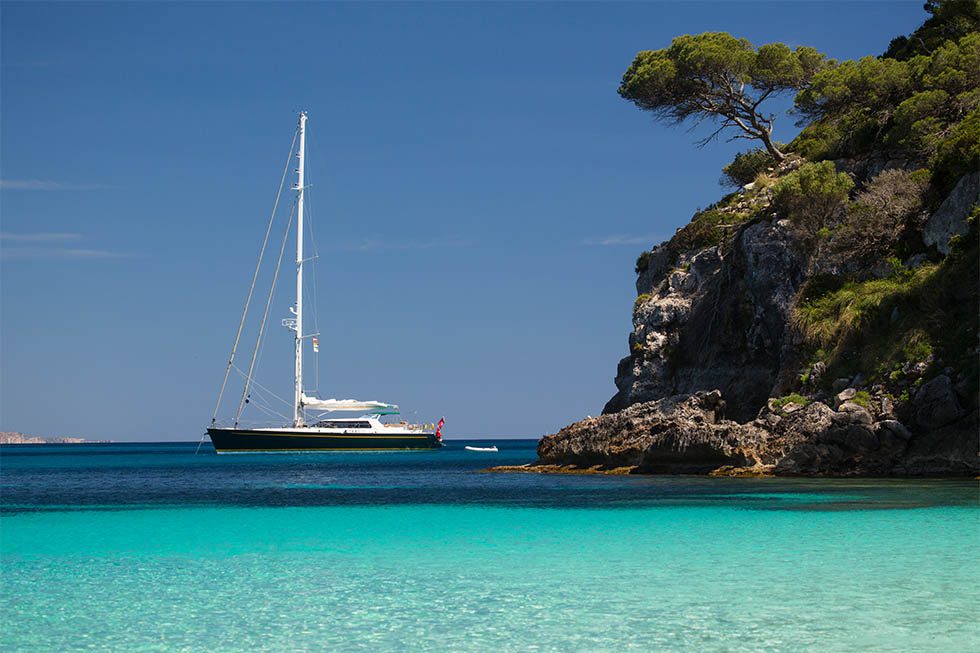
x: 349, y: 405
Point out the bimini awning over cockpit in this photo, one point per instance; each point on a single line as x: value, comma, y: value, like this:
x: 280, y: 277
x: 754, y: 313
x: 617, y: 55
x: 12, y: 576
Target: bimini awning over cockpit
x: 349, y: 406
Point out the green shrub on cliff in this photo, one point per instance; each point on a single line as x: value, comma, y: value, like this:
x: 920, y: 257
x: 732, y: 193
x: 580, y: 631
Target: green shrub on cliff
x: 904, y: 103
x: 779, y: 404
x: 862, y: 398
x: 747, y: 166
x: 958, y: 153
x: 829, y: 319
x: 643, y: 261
x: 818, y: 141
x: 706, y: 229
x: 878, y: 325
x: 876, y: 221
x: 948, y: 20
x: 869, y: 87
x: 916, y: 122
x: 811, y: 195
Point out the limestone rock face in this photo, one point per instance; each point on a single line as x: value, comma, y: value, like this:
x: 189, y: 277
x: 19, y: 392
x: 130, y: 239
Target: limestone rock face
x: 687, y: 434
x: 718, y: 321
x: 822, y: 441
x: 935, y: 405
x: 714, y: 319
x: 951, y: 449
x: 657, y: 261
x: 950, y: 218
x: 677, y: 434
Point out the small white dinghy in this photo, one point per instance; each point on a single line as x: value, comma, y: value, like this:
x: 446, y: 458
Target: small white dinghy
x: 493, y: 448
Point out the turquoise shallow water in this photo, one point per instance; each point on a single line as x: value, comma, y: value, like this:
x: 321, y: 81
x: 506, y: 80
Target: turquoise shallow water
x: 135, y: 547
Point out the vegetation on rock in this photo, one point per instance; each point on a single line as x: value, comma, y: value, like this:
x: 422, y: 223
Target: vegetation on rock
x: 747, y: 166
x: 883, y: 328
x: 848, y: 259
x: 642, y: 262
x: 812, y: 195
x: 862, y: 398
x: 918, y: 101
x: 717, y: 76
x: 948, y: 21
x: 878, y: 222
x: 795, y: 398
x: 916, y: 109
x: 707, y: 228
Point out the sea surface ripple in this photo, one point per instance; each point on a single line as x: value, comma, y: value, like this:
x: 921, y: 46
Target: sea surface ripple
x: 152, y: 547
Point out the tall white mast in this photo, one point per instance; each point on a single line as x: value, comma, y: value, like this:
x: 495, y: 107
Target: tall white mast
x: 298, y: 403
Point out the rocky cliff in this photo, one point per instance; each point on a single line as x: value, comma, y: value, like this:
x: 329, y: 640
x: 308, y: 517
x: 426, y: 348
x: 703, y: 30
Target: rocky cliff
x: 823, y: 318
x: 715, y: 318
x: 718, y: 378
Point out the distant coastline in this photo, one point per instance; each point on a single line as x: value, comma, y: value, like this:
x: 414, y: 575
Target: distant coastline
x: 14, y: 437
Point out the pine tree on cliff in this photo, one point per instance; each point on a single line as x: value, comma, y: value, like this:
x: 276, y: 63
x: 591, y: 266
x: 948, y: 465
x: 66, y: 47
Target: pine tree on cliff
x: 715, y: 76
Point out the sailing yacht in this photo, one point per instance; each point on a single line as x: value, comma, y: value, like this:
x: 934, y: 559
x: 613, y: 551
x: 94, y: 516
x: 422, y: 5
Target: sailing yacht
x: 314, y: 426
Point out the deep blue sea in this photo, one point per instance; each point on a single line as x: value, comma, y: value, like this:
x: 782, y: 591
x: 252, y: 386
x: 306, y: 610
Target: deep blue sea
x: 149, y: 547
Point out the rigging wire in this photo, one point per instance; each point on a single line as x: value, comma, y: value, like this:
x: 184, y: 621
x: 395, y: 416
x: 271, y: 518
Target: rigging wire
x: 261, y: 402
x: 262, y: 387
x: 265, y: 337
x: 258, y: 399
x: 315, y: 293
x: 265, y: 316
x: 321, y: 168
x: 270, y: 412
x: 255, y: 275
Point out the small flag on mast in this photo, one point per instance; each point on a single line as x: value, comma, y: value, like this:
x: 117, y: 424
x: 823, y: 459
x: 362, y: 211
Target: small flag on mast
x: 316, y: 345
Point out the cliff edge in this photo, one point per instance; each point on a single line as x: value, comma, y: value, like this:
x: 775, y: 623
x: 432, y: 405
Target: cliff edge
x: 823, y: 318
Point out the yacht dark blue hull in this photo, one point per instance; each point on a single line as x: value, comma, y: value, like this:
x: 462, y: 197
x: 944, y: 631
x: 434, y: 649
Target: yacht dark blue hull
x: 250, y: 440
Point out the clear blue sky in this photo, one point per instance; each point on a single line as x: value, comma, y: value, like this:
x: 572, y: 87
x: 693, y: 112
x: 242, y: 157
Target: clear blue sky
x: 481, y: 194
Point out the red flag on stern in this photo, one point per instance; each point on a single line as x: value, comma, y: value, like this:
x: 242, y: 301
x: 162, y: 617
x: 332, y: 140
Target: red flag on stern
x: 442, y: 420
